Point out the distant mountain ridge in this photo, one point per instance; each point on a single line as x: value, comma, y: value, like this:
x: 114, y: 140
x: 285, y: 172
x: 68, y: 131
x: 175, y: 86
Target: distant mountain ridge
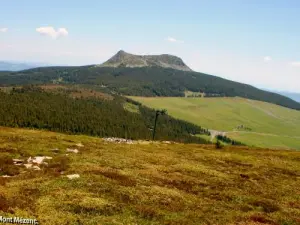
x: 124, y: 59
x: 149, y: 75
x: 294, y: 96
x: 17, y: 66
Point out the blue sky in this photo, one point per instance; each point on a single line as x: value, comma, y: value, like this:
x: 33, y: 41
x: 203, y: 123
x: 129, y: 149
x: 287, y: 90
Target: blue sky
x: 252, y: 41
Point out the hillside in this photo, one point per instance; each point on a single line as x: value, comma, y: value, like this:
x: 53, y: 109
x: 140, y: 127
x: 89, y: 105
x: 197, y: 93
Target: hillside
x: 145, y: 183
x: 251, y: 122
x: 144, y: 81
x: 124, y: 59
x: 97, y: 115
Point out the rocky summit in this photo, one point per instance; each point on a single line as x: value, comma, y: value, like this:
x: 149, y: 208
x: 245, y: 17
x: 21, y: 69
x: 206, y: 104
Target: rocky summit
x: 124, y: 59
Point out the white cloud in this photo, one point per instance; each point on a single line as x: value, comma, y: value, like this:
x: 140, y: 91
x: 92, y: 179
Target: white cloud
x: 174, y: 40
x: 267, y: 59
x: 297, y: 64
x: 50, y: 31
x: 3, y: 30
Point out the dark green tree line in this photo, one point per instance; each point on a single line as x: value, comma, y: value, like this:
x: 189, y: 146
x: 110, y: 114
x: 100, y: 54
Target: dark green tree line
x: 31, y: 107
x: 145, y: 81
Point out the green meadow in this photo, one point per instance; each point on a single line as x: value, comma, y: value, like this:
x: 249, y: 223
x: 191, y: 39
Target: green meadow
x: 264, y: 124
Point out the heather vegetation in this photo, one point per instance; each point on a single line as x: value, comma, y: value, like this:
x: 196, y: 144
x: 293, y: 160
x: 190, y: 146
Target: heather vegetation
x: 146, y: 183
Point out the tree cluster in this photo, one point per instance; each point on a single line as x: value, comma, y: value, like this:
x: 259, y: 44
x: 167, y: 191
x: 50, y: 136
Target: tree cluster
x: 228, y: 140
x: 34, y: 108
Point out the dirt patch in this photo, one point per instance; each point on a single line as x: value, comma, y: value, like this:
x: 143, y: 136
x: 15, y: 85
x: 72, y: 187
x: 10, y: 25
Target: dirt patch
x: 266, y: 205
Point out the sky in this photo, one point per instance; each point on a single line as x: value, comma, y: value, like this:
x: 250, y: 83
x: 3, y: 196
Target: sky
x: 250, y: 41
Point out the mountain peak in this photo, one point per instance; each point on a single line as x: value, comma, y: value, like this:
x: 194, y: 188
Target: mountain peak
x: 121, y: 52
x: 124, y: 59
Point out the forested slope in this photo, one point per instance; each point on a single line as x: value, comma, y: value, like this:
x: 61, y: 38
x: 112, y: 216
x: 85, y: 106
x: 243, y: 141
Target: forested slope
x: 32, y: 107
x: 146, y: 81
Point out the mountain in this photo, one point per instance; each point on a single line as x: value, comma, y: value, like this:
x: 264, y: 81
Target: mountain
x: 152, y: 80
x: 17, y: 66
x: 124, y: 59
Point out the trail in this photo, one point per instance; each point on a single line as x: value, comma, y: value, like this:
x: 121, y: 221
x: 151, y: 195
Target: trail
x: 214, y: 133
x: 266, y: 134
x: 251, y: 103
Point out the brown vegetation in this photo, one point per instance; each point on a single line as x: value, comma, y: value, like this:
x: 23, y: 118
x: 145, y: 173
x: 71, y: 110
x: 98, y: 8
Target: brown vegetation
x: 149, y: 183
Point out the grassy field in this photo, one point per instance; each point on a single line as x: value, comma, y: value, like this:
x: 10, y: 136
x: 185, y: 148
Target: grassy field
x: 146, y: 183
x: 226, y: 114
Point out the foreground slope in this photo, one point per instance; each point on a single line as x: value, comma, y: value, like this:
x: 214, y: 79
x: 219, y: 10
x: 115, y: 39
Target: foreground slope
x: 251, y: 122
x: 146, y: 183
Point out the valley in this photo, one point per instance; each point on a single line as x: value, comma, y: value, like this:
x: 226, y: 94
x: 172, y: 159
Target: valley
x: 241, y: 112
x: 252, y: 122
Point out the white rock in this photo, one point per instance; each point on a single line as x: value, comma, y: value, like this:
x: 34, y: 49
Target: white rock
x: 72, y: 150
x: 5, y: 176
x: 29, y: 165
x: 118, y: 140
x: 73, y: 176
x: 18, y: 161
x: 38, y: 159
x: 36, y: 168
x: 79, y: 145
